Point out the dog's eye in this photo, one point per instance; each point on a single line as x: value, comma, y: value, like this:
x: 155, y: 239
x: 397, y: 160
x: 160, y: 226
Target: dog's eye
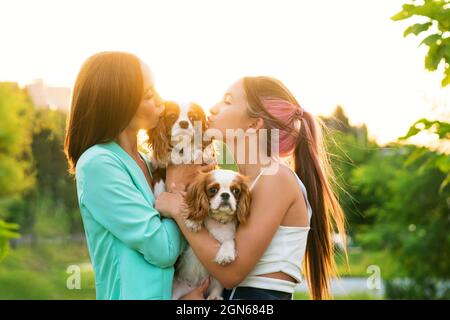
x: 172, y: 117
x: 213, y: 190
x: 236, y: 191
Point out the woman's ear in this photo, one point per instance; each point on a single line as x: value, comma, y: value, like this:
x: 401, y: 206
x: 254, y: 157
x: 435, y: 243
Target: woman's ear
x: 197, y: 202
x: 256, y: 124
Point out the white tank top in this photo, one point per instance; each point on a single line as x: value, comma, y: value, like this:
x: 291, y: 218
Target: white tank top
x: 284, y: 254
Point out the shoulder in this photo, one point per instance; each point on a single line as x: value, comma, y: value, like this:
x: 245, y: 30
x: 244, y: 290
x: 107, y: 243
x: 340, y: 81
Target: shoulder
x: 97, y: 159
x: 280, y: 183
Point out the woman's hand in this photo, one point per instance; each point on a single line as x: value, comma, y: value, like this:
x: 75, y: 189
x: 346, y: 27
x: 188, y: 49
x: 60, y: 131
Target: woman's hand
x: 178, y: 177
x: 170, y: 204
x: 198, y: 293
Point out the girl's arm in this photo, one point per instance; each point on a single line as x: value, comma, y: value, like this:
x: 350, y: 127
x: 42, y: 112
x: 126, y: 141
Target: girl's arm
x: 271, y: 198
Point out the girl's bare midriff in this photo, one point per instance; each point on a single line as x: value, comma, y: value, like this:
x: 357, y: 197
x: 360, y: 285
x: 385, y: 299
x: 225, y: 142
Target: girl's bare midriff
x: 278, y: 275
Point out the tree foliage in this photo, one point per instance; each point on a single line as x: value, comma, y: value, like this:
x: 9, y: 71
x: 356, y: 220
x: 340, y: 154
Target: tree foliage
x: 16, y: 171
x: 436, y: 26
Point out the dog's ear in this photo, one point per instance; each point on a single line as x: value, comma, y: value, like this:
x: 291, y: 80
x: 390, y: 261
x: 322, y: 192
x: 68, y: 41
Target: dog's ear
x: 197, y: 202
x: 199, y: 111
x: 243, y: 207
x: 158, y: 140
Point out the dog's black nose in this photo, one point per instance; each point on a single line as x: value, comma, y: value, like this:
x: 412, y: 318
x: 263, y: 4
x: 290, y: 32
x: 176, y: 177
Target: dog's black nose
x: 184, y: 124
x: 225, y: 196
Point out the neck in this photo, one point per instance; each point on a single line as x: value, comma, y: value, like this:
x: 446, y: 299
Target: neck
x: 127, y: 139
x: 248, y: 166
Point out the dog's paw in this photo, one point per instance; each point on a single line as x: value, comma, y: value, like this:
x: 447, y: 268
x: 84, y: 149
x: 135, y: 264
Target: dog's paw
x: 225, y: 255
x: 193, y: 225
x: 214, y: 297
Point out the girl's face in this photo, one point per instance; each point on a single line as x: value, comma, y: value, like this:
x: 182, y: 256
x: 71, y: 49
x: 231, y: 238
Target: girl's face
x: 151, y: 107
x: 231, y: 112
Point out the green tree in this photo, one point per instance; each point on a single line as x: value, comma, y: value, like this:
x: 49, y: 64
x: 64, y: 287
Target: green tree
x: 51, y: 208
x: 436, y: 15
x: 410, y: 191
x: 349, y: 147
x: 16, y: 172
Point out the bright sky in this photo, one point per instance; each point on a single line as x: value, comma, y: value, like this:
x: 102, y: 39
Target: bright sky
x: 327, y: 52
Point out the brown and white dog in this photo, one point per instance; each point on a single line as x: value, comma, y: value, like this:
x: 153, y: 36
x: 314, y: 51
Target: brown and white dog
x: 219, y: 201
x: 179, y: 138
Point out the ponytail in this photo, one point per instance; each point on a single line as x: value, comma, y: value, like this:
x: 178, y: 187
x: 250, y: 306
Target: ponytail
x: 313, y: 168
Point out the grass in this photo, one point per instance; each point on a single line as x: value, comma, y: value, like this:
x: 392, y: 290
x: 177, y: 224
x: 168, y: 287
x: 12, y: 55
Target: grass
x: 360, y: 260
x: 40, y: 272
x: 358, y: 263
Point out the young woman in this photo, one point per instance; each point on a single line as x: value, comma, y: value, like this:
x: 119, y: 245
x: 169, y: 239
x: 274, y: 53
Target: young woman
x: 293, y: 211
x: 132, y: 248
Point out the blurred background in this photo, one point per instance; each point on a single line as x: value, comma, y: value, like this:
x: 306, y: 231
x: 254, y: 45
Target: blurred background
x: 376, y: 73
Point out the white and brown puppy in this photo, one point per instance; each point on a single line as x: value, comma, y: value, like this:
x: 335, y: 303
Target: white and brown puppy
x: 179, y: 138
x: 219, y: 201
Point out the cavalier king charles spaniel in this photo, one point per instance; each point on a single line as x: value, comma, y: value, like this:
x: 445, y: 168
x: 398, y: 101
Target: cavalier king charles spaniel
x: 179, y: 138
x: 219, y: 201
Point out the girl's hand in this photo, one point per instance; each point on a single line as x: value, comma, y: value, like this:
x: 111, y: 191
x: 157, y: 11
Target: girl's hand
x: 198, y: 293
x: 170, y: 204
x: 178, y: 177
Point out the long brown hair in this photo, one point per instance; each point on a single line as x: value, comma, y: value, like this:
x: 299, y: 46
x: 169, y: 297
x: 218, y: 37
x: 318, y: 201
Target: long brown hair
x: 106, y: 95
x: 311, y: 163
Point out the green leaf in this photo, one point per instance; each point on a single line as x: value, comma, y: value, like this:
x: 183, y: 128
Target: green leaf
x: 408, y: 11
x: 413, y: 130
x: 431, y: 39
x: 446, y: 79
x: 417, y: 28
x: 442, y: 129
x: 8, y: 225
x: 7, y: 232
x: 434, y: 57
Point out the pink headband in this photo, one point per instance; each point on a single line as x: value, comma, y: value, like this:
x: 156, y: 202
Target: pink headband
x: 286, y: 112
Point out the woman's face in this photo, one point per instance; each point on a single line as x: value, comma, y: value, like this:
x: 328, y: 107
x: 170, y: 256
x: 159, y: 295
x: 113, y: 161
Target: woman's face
x: 231, y: 112
x: 151, y: 107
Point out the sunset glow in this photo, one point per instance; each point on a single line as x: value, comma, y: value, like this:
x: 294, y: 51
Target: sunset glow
x: 328, y: 53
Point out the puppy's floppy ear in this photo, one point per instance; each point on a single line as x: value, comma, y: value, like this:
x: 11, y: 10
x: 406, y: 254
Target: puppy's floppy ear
x: 243, y: 207
x: 197, y: 202
x: 158, y: 140
x: 199, y: 111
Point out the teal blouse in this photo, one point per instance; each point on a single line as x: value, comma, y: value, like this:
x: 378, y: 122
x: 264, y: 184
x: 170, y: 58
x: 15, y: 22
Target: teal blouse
x: 132, y: 248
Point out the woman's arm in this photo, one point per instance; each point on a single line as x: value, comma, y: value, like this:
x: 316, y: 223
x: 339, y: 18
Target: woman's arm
x: 271, y: 198
x: 109, y: 194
